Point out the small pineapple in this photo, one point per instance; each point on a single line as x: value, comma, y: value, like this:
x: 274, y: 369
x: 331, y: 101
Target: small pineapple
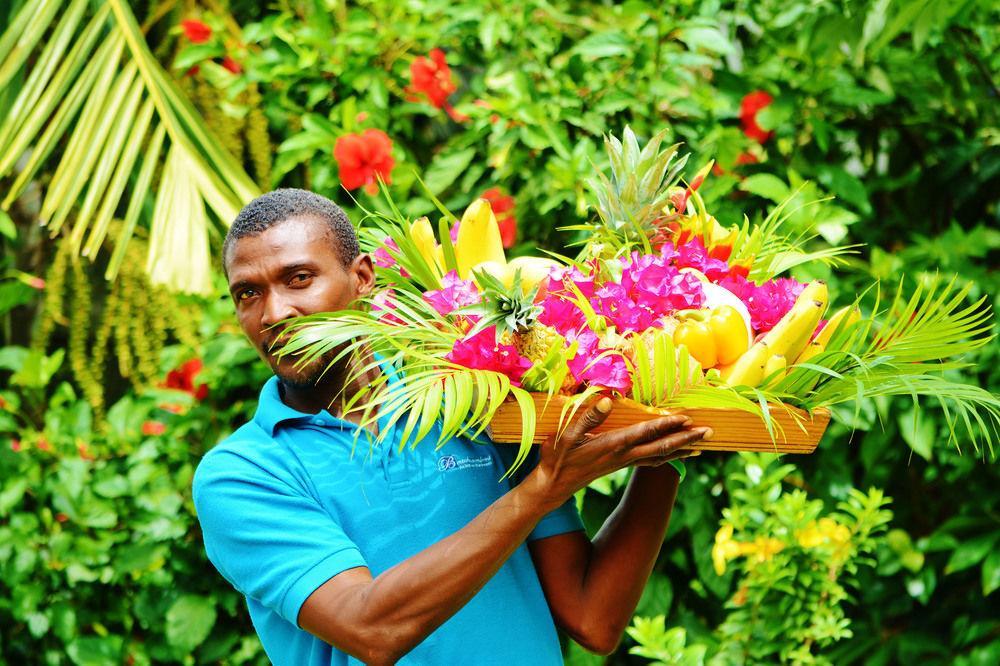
x: 534, y: 342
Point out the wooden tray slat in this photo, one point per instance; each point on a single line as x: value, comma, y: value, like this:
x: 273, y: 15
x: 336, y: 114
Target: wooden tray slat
x: 734, y: 430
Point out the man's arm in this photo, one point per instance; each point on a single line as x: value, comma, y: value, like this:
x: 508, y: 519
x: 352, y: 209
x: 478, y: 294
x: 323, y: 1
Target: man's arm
x: 593, y: 588
x: 380, y: 619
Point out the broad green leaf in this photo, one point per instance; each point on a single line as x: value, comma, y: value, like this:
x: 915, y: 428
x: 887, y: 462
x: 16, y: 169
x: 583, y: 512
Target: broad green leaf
x: 767, y: 186
x: 971, y: 552
x: 189, y: 622
x: 991, y: 572
x: 446, y: 168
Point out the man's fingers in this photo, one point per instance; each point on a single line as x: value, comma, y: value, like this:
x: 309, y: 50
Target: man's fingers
x: 666, y: 446
x: 592, y: 418
x: 625, y: 439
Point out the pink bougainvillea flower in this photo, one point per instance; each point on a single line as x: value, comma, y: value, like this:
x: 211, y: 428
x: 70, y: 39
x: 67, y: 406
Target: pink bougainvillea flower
x: 653, y: 283
x: 431, y: 78
x: 561, y: 278
x: 362, y: 157
x: 483, y: 352
x: 694, y: 255
x: 561, y: 313
x: 597, y: 366
x: 153, y: 428
x: 503, y: 208
x: 750, y: 105
x: 384, y: 303
x: 381, y: 255
x: 196, y: 31
x: 771, y: 301
x: 455, y: 293
x: 182, y: 379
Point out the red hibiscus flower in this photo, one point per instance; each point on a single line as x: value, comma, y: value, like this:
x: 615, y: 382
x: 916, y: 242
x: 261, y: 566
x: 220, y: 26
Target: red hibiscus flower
x: 182, y: 379
x: 503, y: 208
x: 153, y: 428
x: 196, y: 31
x: 231, y: 65
x: 363, y: 156
x: 749, y: 106
x: 431, y: 77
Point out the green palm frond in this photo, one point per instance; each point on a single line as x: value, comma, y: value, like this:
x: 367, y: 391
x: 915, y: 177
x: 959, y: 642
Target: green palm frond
x: 96, y: 108
x: 904, y: 350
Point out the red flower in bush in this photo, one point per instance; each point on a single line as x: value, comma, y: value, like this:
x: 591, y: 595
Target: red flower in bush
x: 43, y: 445
x: 196, y: 31
x: 431, y: 77
x: 182, y: 379
x: 153, y: 428
x: 231, y: 65
x: 503, y: 207
x: 749, y: 106
x: 363, y: 156
x: 15, y: 445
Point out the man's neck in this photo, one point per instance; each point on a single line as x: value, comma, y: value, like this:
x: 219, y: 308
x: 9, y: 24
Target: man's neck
x: 329, y: 393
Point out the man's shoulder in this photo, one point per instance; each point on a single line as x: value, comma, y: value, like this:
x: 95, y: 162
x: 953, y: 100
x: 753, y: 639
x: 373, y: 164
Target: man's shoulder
x: 248, y: 447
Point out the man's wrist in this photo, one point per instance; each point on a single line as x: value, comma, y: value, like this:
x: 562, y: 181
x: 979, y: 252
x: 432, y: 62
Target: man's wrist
x: 536, y: 493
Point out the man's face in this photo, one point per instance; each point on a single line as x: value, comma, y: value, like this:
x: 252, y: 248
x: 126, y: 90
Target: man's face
x: 290, y: 270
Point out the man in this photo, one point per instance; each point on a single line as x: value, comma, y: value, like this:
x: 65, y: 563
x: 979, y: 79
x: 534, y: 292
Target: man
x: 422, y: 556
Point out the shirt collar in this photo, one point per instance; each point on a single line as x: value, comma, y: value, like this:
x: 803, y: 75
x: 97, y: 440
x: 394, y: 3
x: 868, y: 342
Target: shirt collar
x: 273, y: 412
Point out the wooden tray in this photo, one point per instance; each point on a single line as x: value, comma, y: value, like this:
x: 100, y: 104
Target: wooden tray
x: 734, y: 430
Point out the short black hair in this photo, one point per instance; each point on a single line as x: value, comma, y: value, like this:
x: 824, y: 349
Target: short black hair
x: 284, y: 204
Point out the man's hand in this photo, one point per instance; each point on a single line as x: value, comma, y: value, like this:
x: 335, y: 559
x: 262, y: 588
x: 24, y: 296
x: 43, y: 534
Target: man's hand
x: 578, y: 457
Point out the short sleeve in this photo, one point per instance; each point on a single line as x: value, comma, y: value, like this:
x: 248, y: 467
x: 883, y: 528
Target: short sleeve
x: 564, y: 519
x: 272, y: 542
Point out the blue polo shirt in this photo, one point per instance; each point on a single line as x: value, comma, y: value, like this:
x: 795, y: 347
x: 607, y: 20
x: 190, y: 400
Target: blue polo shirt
x: 291, y: 499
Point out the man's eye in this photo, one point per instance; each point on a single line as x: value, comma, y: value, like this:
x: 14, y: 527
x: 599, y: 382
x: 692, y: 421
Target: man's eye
x: 301, y: 277
x: 245, y: 294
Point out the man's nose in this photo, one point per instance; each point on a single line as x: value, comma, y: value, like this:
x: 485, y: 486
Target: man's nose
x: 277, y: 309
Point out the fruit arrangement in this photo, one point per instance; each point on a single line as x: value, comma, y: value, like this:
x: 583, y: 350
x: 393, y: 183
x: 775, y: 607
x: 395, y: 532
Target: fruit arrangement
x: 663, y: 307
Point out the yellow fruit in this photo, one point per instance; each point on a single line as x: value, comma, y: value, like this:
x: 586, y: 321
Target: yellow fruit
x: 793, y: 332
x: 533, y: 270
x: 478, y: 238
x: 423, y: 237
x: 811, y: 349
x: 748, y: 370
x: 497, y: 270
x: 842, y: 318
x: 775, y: 364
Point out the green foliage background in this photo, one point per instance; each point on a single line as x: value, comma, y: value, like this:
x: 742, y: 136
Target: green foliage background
x: 889, y: 107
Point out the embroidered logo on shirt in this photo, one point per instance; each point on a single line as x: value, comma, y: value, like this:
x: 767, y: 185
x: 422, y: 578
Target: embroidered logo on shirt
x: 446, y: 463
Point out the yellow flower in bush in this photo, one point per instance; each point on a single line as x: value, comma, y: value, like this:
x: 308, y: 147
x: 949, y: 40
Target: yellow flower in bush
x: 725, y: 548
x: 823, y: 532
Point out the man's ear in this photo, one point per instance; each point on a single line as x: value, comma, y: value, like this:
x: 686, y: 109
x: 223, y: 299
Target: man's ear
x: 363, y: 271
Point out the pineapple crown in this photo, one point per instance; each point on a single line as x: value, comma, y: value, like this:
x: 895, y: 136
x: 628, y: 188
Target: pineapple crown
x: 640, y: 180
x: 510, y: 309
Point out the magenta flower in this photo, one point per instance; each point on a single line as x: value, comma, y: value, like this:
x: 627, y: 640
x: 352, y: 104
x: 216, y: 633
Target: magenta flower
x: 561, y: 313
x: 694, y: 255
x: 384, y: 303
x: 455, y: 293
x: 771, y: 301
x: 483, y: 352
x: 609, y: 371
x: 381, y: 256
x: 559, y: 279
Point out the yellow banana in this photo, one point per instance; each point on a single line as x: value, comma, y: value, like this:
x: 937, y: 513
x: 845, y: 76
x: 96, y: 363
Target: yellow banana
x: 478, y: 238
x: 775, y: 364
x: 793, y: 332
x: 748, y: 370
x: 815, y: 291
x: 842, y: 318
x: 812, y: 349
x: 423, y: 237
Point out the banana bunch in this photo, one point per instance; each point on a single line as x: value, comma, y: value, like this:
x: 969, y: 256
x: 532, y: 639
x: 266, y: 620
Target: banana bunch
x: 768, y: 357
x: 843, y: 318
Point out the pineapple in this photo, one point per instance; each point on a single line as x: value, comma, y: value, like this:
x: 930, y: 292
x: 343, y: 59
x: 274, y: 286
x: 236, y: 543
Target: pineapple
x: 534, y: 342
x: 631, y: 201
